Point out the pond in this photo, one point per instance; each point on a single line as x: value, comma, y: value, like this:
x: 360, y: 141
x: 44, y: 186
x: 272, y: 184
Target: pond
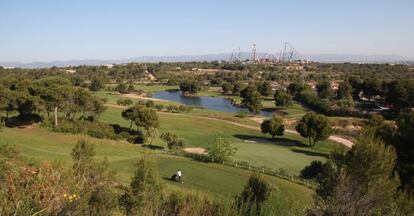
x: 213, y: 103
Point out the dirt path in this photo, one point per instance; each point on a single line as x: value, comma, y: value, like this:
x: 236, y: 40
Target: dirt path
x: 259, y: 120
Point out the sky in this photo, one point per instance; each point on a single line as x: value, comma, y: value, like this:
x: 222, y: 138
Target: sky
x: 46, y: 30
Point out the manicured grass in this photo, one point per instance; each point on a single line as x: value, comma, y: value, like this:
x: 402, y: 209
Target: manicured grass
x: 288, y: 153
x: 212, y: 179
x: 293, y: 111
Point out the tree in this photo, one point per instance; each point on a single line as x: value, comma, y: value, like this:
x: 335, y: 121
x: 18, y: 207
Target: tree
x: 273, y: 126
x: 8, y: 101
x: 237, y: 87
x: 324, y: 89
x: 295, y: 87
x: 173, y: 141
x: 404, y: 145
x: 82, y: 156
x: 220, y: 150
x: 97, y: 84
x: 344, y: 90
x: 378, y: 128
x: 227, y: 87
x: 146, y: 118
x: 282, y: 98
x: 56, y: 92
x: 122, y: 88
x: 315, y: 127
x: 265, y: 88
x: 145, y: 190
x: 130, y: 114
x: 397, y: 95
x: 372, y: 87
x: 86, y: 104
x: 190, y: 86
x: 257, y: 191
x: 251, y: 99
x: 360, y: 182
x: 131, y: 87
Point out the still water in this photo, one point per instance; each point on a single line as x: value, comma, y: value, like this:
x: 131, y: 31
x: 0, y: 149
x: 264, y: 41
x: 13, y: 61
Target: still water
x: 213, y: 103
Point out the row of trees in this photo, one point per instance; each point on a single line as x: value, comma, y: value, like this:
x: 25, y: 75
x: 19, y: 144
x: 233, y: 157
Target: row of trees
x: 48, y: 95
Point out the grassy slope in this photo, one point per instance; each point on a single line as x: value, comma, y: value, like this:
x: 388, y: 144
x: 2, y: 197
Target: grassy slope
x: 212, y: 179
x: 287, y: 153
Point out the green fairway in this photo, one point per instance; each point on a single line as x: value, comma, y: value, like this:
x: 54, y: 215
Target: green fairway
x: 288, y: 153
x: 212, y: 179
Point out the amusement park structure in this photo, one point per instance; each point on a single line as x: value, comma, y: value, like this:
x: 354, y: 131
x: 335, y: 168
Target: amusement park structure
x: 287, y: 54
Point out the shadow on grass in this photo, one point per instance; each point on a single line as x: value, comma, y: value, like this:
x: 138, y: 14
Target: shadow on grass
x: 153, y: 147
x: 22, y: 121
x: 171, y: 180
x: 277, y: 111
x: 280, y: 141
x: 310, y: 153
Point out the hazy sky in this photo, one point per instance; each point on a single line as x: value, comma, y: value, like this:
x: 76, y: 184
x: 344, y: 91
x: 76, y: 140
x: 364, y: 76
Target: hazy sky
x: 44, y: 30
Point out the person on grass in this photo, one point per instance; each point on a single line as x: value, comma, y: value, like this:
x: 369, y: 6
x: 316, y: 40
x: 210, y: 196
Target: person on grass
x: 179, y: 174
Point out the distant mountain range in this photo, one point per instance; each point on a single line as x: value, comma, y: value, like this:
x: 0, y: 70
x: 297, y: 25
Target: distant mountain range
x: 331, y: 58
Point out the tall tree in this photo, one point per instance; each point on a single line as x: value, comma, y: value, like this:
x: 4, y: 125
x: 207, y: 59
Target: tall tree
x: 324, y: 89
x: 145, y: 191
x: 344, y: 90
x: 56, y: 92
x: 315, y: 127
x: 227, y: 87
x: 97, y: 84
x: 265, y: 88
x: 190, y: 86
x: 251, y: 99
x: 273, y: 126
x: 398, y: 96
x: 257, y: 191
x: 282, y: 98
x: 404, y: 144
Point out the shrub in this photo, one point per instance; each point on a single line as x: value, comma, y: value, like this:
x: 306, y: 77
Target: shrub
x: 312, y: 170
x: 220, y: 150
x: 159, y: 107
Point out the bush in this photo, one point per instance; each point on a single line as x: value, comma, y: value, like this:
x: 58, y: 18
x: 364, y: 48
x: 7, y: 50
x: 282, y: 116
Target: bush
x: 220, y: 150
x: 312, y: 171
x: 159, y: 107
x: 95, y: 129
